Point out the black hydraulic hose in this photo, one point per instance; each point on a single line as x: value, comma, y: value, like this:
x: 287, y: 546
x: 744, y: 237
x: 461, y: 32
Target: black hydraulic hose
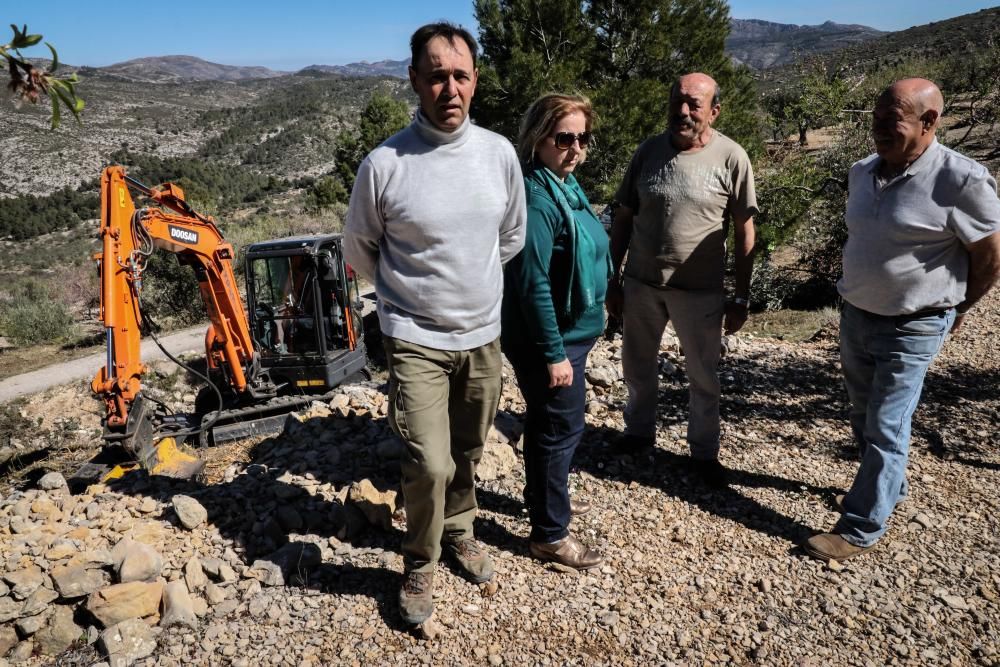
x: 149, y: 325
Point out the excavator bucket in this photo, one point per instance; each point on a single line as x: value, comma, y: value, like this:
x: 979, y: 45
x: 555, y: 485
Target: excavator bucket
x: 168, y: 459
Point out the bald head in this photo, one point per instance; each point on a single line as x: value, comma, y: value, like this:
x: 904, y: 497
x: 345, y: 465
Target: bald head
x: 920, y: 95
x: 904, y: 119
x: 694, y: 106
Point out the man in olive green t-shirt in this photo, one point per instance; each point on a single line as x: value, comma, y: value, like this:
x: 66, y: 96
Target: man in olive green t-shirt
x: 681, y: 191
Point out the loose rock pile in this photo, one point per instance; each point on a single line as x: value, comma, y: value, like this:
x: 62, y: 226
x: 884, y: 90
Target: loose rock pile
x: 290, y: 554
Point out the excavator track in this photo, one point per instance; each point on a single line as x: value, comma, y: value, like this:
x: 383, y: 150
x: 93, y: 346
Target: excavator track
x: 257, y: 420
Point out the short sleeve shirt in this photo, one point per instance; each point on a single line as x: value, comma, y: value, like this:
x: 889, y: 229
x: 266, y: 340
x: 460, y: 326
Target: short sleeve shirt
x: 682, y: 204
x: 905, y: 249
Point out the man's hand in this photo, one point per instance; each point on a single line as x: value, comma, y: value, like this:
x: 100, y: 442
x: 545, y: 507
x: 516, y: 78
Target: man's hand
x: 560, y: 374
x: 736, y: 317
x: 614, y: 299
x: 956, y: 326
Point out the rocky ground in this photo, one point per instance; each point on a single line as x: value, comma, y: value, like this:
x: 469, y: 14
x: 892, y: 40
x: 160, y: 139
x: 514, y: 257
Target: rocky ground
x: 287, y: 553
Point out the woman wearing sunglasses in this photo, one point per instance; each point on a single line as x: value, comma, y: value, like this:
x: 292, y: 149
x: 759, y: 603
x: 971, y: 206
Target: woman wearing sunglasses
x: 552, y: 314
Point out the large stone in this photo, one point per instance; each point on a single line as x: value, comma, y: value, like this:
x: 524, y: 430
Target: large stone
x: 297, y: 560
x: 74, y: 581
x: 52, y: 481
x: 45, y: 510
x: 9, y: 609
x: 117, y: 603
x: 190, y: 512
x: 194, y: 575
x: 227, y: 574
x: 601, y: 376
x: 498, y: 461
x: 29, y: 625
x: 61, y: 551
x: 178, y: 609
x: 38, y: 601
x: 60, y: 633
x: 22, y: 652
x: 140, y: 562
x: 126, y: 642
x: 211, y: 565
x: 25, y: 581
x: 267, y: 573
x: 8, y: 639
x: 214, y: 594
x: 376, y: 506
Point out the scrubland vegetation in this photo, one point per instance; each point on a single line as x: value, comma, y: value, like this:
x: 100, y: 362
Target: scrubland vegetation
x: 284, y: 163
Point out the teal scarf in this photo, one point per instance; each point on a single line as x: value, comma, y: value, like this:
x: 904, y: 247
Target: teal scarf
x: 580, y: 296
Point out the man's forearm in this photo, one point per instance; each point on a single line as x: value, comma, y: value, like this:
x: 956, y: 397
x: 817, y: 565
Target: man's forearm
x: 743, y: 253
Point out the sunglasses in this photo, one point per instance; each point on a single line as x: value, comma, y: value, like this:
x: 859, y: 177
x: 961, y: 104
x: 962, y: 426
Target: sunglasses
x: 564, y: 140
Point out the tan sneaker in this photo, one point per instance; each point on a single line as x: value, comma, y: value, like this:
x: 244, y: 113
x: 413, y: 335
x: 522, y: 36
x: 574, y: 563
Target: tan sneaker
x: 472, y: 559
x: 827, y: 547
x: 416, y: 601
x: 568, y: 551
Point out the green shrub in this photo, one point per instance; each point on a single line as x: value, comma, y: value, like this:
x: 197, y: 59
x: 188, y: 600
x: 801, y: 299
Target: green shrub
x: 170, y: 293
x: 33, y: 321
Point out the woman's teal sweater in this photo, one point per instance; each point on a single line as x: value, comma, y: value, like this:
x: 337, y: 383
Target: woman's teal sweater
x: 537, y: 281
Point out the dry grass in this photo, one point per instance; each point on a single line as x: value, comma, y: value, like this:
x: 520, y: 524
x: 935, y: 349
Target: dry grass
x: 791, y: 325
x: 217, y: 459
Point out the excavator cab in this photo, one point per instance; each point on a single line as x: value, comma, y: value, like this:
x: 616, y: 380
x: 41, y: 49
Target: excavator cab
x: 303, y: 304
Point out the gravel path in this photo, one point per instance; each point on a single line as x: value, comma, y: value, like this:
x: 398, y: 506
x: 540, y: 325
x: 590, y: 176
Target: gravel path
x: 84, y: 368
x: 301, y: 562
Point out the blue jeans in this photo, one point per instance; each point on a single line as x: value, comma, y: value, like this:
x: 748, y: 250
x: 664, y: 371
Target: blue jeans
x: 552, y: 430
x: 884, y: 360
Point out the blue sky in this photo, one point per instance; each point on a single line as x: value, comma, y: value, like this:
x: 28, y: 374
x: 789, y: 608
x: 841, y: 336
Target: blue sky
x: 290, y: 34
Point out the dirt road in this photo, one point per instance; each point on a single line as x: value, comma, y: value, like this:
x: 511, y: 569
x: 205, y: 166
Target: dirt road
x: 85, y: 367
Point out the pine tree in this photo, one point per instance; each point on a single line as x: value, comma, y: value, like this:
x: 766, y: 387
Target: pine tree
x: 623, y: 54
x: 382, y: 117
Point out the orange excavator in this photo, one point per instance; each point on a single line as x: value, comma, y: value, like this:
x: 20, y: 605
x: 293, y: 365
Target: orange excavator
x: 298, y: 338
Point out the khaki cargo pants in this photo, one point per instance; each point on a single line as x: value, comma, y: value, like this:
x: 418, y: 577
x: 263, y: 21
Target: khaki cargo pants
x: 442, y: 404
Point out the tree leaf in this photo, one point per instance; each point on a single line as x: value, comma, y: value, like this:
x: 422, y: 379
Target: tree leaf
x: 55, y: 57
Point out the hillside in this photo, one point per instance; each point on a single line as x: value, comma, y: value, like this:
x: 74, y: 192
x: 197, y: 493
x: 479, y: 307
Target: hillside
x: 763, y: 44
x: 951, y: 36
x: 396, y: 68
x: 284, y: 124
x: 170, y: 69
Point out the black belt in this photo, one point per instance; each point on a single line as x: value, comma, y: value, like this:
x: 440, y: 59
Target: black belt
x: 928, y: 312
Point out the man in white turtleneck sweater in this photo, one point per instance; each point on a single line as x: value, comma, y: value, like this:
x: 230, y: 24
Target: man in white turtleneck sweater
x: 435, y: 212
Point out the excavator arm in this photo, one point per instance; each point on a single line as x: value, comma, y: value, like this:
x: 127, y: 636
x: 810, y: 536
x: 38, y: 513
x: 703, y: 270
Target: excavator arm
x: 129, y: 236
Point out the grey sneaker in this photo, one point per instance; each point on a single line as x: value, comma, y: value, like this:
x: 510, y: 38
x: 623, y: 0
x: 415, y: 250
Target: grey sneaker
x: 472, y: 558
x: 416, y: 602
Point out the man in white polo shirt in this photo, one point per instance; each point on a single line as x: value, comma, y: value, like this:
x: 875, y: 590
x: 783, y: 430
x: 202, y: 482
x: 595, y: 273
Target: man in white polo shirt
x: 923, y: 247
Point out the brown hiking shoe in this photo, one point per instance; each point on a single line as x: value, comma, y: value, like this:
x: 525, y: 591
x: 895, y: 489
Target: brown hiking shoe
x: 472, y: 559
x: 568, y: 551
x: 827, y: 547
x: 416, y: 603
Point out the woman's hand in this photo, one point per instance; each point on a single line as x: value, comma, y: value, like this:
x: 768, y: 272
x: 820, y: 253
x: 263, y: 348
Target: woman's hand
x: 560, y: 374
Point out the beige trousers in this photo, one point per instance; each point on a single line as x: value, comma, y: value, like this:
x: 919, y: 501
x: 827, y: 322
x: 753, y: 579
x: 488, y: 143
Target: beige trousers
x: 697, y: 319
x: 442, y: 404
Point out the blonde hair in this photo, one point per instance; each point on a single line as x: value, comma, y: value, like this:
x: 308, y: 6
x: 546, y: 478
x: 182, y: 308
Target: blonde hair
x: 542, y: 116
